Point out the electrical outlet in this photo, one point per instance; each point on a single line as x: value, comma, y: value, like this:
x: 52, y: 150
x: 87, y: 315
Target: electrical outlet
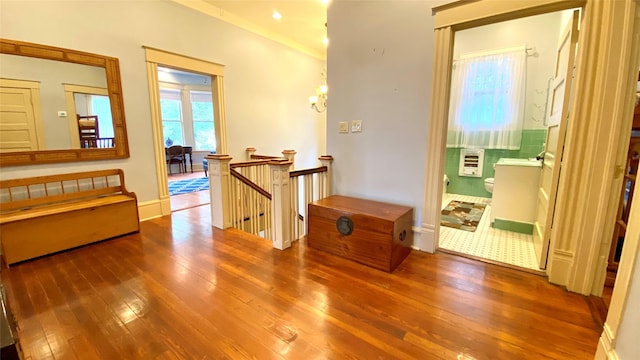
x: 343, y: 127
x: 356, y: 126
x: 62, y: 114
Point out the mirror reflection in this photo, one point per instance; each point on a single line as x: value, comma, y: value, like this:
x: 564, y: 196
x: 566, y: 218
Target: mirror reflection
x: 53, y: 105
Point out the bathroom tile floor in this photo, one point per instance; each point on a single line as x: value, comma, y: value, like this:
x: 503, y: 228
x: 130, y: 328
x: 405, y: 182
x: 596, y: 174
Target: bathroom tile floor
x: 486, y: 242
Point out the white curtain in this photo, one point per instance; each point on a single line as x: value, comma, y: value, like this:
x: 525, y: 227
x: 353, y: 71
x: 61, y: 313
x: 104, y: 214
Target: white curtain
x: 488, y: 100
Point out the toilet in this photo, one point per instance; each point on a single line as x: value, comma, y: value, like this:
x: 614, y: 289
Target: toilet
x: 445, y: 183
x: 488, y: 184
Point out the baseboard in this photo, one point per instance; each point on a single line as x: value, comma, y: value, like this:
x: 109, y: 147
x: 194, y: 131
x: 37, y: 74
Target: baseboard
x: 513, y: 226
x: 605, y: 350
x: 424, y: 239
x: 560, y: 267
x: 153, y: 209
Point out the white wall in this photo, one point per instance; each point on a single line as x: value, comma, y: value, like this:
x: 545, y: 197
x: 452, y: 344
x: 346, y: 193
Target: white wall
x: 540, y: 32
x: 266, y: 84
x: 627, y: 345
x: 379, y: 71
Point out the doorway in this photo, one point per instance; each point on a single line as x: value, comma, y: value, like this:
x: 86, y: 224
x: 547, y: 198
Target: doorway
x: 186, y: 109
x: 596, y: 142
x: 205, y: 81
x: 506, y: 190
x: 577, y: 255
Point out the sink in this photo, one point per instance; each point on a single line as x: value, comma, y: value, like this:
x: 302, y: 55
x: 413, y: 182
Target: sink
x: 533, y: 162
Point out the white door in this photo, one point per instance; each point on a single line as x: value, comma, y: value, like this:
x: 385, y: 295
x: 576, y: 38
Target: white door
x: 18, y: 129
x: 554, y: 146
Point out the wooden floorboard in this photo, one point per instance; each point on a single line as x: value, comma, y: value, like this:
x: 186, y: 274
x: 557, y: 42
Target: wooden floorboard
x: 182, y: 290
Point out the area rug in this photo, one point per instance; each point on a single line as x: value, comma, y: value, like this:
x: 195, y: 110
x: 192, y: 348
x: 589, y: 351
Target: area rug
x: 462, y: 215
x: 189, y: 185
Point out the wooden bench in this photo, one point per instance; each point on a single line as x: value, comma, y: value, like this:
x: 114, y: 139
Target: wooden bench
x: 46, y: 214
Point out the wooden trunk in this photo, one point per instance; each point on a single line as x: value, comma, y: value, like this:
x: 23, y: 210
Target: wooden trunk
x: 381, y: 235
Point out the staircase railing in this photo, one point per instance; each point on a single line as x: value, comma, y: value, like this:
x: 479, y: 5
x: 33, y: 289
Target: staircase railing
x: 252, y: 209
x: 307, y: 186
x: 264, y: 196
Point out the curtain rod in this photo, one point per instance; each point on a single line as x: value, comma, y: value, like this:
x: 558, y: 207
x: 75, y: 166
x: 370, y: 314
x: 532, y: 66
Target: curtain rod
x: 530, y: 51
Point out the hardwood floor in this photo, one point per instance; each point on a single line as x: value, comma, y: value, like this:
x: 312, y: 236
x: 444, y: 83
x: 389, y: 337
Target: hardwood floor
x: 189, y: 200
x: 182, y: 290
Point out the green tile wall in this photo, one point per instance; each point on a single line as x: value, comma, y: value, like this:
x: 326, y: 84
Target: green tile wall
x: 532, y: 145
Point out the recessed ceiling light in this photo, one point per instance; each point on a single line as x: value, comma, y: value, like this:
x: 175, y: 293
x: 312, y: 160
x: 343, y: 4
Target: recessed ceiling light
x: 276, y: 15
x: 325, y: 40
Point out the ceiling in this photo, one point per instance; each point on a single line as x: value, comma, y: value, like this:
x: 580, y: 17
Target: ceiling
x: 302, y: 25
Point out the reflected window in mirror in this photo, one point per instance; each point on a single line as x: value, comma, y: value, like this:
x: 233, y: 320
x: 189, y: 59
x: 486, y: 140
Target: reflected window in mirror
x: 99, y: 106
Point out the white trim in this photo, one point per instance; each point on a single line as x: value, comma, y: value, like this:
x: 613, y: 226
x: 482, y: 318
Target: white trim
x: 150, y: 210
x: 155, y: 57
x: 183, y: 61
x: 69, y: 90
x: 561, y: 262
x: 436, y: 144
x: 423, y: 239
x: 93, y: 90
x: 606, y: 349
x: 156, y: 122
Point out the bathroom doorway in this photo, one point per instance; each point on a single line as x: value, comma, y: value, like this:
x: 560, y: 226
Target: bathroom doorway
x: 504, y: 228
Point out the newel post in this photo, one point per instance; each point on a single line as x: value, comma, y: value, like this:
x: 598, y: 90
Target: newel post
x: 219, y: 185
x: 280, y: 203
x: 326, y: 160
x: 250, y: 152
x: 289, y: 155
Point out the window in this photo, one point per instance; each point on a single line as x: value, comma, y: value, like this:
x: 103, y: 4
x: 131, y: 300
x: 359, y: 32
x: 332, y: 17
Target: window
x: 171, y: 111
x: 202, y: 111
x: 101, y: 106
x: 487, y: 101
x: 94, y: 104
x: 187, y: 118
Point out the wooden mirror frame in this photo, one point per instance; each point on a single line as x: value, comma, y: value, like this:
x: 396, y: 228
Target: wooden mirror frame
x: 114, y: 88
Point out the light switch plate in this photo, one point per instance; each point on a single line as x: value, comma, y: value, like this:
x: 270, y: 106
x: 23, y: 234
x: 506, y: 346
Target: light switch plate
x: 62, y: 114
x: 356, y: 126
x: 343, y: 127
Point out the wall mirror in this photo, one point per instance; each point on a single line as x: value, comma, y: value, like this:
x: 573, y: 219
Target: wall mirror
x: 59, y: 105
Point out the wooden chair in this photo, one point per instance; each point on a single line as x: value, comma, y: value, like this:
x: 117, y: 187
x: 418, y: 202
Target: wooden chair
x: 88, y: 129
x: 175, y: 155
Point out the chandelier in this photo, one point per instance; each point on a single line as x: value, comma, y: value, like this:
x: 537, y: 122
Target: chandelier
x: 319, y: 100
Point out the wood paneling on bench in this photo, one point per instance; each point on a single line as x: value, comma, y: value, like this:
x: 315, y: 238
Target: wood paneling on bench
x: 46, y: 214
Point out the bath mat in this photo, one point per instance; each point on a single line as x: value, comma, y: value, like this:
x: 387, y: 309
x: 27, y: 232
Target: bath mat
x: 462, y: 215
x: 189, y: 185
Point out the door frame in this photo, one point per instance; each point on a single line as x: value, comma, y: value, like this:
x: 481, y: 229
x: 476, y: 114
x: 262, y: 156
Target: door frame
x: 602, y: 87
x: 552, y: 161
x: 155, y: 58
x: 69, y: 93
x: 597, y: 138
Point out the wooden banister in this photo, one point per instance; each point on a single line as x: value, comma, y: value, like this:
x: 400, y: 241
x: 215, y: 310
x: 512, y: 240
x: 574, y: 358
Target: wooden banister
x: 265, y: 157
x: 303, y: 172
x: 249, y: 163
x: 250, y: 184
